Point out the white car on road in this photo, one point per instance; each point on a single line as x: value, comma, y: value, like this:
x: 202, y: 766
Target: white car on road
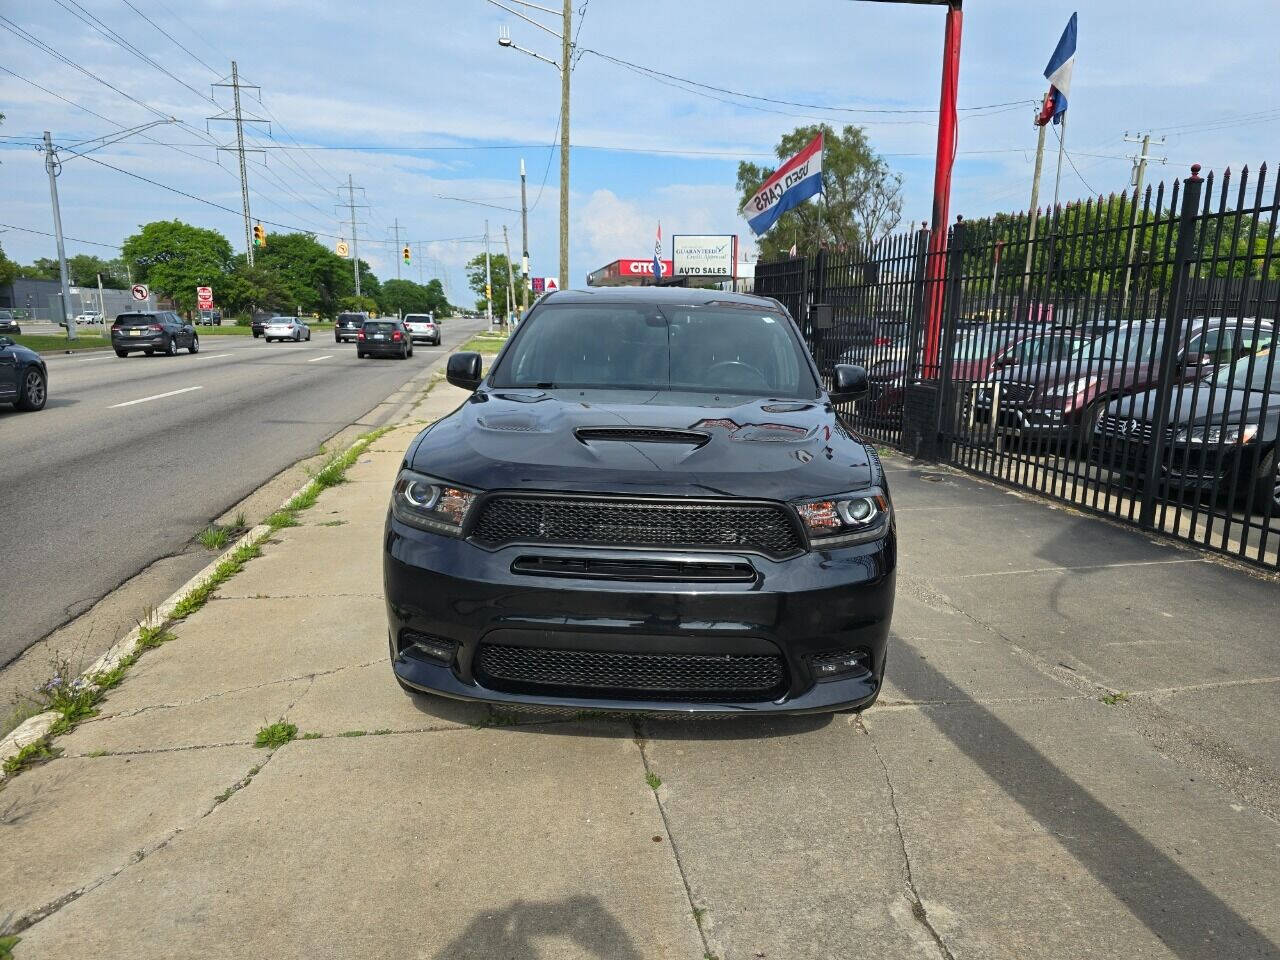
x: 286, y: 328
x: 88, y: 318
x: 422, y: 326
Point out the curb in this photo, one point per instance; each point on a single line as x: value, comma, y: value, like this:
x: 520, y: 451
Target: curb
x: 37, y: 728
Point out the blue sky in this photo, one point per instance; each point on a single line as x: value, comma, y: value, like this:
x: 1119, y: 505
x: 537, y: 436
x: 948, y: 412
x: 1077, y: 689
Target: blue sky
x: 405, y: 75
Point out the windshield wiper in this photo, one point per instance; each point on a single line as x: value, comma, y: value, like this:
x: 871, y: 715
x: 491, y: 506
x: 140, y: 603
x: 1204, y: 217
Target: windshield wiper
x: 545, y: 385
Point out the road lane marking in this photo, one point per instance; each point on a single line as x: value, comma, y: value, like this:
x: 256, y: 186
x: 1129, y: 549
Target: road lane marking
x: 158, y: 396
x: 87, y: 359
x: 212, y: 356
x: 327, y: 356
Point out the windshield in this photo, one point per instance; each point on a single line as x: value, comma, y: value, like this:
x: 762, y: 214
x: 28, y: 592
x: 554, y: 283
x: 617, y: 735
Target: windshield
x: 1264, y: 377
x: 706, y: 349
x: 1129, y: 345
x: 980, y: 344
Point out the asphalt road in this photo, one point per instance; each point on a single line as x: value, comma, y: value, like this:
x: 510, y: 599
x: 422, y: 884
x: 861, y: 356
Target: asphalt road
x: 132, y: 457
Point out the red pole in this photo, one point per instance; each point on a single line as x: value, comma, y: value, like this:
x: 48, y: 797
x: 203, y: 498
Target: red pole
x: 947, y: 137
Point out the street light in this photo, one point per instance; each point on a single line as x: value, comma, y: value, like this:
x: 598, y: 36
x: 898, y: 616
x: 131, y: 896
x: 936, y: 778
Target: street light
x: 565, y: 66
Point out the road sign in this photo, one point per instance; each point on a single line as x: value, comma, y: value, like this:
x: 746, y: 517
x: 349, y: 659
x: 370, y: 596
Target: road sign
x: 341, y: 249
x: 139, y: 291
x: 544, y: 284
x: 703, y: 256
x: 204, y: 298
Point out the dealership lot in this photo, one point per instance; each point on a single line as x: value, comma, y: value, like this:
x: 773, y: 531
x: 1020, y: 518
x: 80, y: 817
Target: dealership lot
x: 1033, y: 782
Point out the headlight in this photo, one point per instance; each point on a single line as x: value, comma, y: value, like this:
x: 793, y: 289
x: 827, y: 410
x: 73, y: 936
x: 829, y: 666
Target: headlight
x: 847, y: 518
x: 430, y: 504
x: 1073, y: 388
x: 1235, y: 433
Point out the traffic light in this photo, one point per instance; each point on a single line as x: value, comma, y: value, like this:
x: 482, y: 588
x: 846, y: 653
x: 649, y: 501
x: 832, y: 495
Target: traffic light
x: 259, y: 236
x: 405, y: 254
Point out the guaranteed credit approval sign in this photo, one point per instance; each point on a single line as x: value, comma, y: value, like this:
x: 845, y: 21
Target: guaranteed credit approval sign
x: 791, y: 185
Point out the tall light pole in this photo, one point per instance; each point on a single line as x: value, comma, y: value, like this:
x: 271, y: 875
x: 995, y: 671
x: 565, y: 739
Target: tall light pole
x: 946, y: 155
x: 488, y: 278
x: 565, y: 66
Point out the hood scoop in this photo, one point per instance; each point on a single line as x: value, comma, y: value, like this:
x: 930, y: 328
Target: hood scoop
x: 641, y: 435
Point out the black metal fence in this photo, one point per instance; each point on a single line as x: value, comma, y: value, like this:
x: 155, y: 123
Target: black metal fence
x: 1119, y: 354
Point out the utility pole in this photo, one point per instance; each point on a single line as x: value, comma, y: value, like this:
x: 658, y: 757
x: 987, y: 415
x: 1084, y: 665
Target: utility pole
x: 524, y: 236
x: 351, y: 206
x: 566, y: 68
x: 1035, y: 210
x: 240, y: 120
x: 398, y: 250
x: 102, y: 304
x: 54, y: 166
x: 419, y: 246
x: 488, y: 278
x: 511, y: 280
x: 1139, y: 173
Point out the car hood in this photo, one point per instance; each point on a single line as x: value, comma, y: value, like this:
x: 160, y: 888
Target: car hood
x: 1209, y: 406
x: 556, y: 440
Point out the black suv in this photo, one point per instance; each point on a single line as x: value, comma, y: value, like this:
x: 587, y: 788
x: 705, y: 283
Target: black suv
x: 649, y: 503
x: 152, y: 331
x: 347, y: 326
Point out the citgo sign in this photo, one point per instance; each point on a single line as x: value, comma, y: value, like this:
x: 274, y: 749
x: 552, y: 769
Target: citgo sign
x: 642, y: 268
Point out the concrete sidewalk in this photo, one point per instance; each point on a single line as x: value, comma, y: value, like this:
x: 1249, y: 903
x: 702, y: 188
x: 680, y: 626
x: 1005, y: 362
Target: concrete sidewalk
x: 993, y: 804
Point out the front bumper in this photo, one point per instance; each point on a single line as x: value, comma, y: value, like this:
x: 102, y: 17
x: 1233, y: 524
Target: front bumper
x: 1027, y: 423
x: 1189, y: 468
x: 794, y: 610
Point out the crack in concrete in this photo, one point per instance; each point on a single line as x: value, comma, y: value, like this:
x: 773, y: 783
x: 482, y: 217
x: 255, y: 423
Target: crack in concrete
x: 884, y: 703
x: 31, y: 918
x: 918, y: 910
x: 124, y: 714
x: 694, y: 910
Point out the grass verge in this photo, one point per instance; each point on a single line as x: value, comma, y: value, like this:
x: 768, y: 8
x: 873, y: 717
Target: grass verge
x: 58, y: 343
x: 483, y: 344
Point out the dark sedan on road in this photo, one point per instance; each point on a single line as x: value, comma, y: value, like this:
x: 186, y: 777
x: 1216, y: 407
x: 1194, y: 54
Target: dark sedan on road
x: 158, y: 331
x: 649, y: 503
x: 9, y: 323
x: 24, y: 378
x: 1221, y: 434
x: 384, y: 338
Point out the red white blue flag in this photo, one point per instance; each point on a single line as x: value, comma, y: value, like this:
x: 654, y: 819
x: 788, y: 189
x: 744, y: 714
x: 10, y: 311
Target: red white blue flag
x: 791, y: 185
x: 657, y: 255
x: 1058, y: 73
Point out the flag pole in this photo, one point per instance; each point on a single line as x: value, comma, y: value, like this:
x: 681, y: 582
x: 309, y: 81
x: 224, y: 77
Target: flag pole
x: 1062, y: 148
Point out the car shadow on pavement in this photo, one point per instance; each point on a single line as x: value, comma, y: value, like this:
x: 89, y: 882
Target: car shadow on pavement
x: 520, y: 930
x: 1188, y: 918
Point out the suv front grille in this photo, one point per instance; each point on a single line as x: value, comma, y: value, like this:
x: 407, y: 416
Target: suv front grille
x: 647, y: 676
x: 763, y: 528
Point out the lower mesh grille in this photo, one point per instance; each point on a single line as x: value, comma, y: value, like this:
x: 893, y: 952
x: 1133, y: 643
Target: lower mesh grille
x: 648, y: 676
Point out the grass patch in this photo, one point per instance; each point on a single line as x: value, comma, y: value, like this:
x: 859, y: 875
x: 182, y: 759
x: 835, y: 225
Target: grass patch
x: 276, y: 734
x: 698, y: 914
x: 224, y: 571
x: 151, y: 637
x: 110, y: 679
x: 1111, y: 699
x: 58, y: 342
x: 653, y: 780
x: 483, y: 344
x: 330, y: 475
x: 214, y: 537
x: 353, y: 733
x: 312, y: 736
x: 38, y: 751
x: 7, y: 943
x: 333, y: 523
x: 281, y: 519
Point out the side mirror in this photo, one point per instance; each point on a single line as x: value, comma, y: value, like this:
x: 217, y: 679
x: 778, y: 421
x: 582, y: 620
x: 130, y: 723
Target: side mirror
x: 1193, y: 361
x: 848, y: 382
x: 464, y: 370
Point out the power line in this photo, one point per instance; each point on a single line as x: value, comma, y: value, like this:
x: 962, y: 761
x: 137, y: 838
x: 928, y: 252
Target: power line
x: 1058, y: 134
x: 170, y: 36
x: 45, y: 233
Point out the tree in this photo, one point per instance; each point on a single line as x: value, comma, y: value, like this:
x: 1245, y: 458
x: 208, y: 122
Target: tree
x: 410, y: 297
x: 8, y: 269
x: 84, y: 269
x: 861, y: 202
x: 310, y: 275
x: 175, y: 258
x: 498, y: 268
x: 44, y: 268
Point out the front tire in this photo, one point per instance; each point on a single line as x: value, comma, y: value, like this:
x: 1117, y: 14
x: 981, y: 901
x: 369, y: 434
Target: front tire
x: 122, y: 353
x: 1266, y: 486
x: 34, y: 391
x: 195, y: 345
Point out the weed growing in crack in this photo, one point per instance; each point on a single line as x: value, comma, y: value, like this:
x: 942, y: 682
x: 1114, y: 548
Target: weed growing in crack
x: 698, y: 914
x: 240, y: 522
x: 1111, y: 699
x: 381, y: 733
x: 332, y: 523
x: 281, y: 519
x: 353, y: 733
x: 312, y: 736
x: 109, y: 679
x: 7, y: 942
x: 38, y: 751
x: 224, y: 571
x: 214, y: 537
x: 276, y: 734
x: 151, y: 637
x: 98, y: 753
x: 653, y: 780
